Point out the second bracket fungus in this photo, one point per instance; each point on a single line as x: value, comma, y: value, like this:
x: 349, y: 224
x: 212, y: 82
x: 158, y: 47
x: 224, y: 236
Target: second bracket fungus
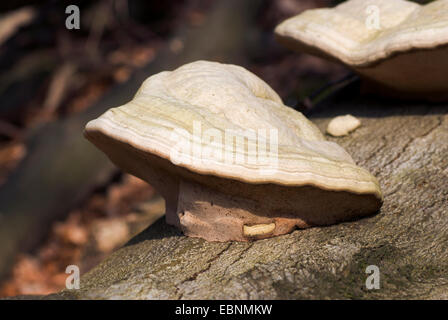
x: 231, y: 161
x: 398, y: 46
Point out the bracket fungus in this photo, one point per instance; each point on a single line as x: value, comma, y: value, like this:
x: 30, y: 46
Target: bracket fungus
x: 399, y: 47
x: 231, y: 161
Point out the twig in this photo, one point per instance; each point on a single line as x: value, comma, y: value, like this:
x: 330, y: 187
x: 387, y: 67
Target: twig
x: 325, y: 91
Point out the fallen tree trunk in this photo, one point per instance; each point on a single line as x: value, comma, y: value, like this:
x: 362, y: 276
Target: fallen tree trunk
x: 403, y: 144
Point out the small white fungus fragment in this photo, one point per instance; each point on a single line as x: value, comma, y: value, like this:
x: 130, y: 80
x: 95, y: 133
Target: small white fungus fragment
x: 342, y: 125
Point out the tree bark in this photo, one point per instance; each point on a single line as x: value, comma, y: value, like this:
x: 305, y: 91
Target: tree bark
x: 403, y: 144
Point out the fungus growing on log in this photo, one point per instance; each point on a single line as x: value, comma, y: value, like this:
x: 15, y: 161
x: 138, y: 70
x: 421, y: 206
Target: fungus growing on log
x: 231, y: 161
x: 399, y: 48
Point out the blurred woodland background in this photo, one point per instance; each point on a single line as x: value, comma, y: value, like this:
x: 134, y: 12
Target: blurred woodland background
x: 61, y: 201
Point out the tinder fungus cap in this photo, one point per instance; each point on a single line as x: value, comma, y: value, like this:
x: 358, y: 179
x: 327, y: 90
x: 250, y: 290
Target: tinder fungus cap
x: 232, y: 162
x: 399, y: 45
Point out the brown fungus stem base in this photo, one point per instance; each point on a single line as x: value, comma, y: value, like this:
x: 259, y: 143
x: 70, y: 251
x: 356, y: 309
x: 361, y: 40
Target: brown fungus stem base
x: 263, y: 213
